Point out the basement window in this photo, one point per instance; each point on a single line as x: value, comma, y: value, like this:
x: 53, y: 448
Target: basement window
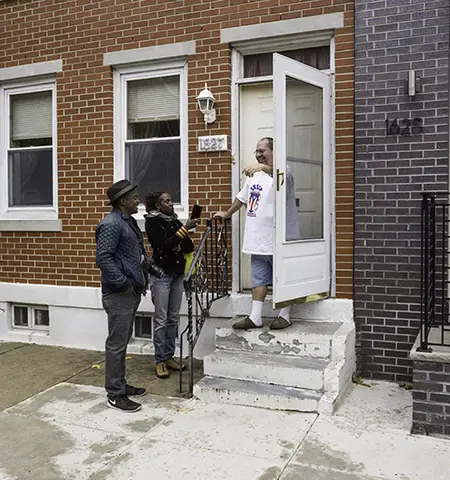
x: 30, y: 317
x: 143, y: 326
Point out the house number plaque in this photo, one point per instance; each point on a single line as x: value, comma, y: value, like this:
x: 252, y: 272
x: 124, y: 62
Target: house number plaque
x: 213, y: 143
x: 405, y: 126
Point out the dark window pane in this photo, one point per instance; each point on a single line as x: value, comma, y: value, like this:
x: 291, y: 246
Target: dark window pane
x: 21, y: 316
x: 30, y: 178
x: 41, y: 317
x: 262, y: 64
x: 154, y: 129
x: 143, y: 326
x: 155, y: 166
x: 31, y: 142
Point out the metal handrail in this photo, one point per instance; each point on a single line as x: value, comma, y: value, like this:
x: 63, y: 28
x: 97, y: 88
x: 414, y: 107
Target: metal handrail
x: 206, y: 281
x: 435, y: 269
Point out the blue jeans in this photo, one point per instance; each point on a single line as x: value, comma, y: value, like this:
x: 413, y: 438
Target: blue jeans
x: 167, y: 293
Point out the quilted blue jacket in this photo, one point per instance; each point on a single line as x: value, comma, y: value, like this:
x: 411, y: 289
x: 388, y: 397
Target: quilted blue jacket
x: 120, y: 251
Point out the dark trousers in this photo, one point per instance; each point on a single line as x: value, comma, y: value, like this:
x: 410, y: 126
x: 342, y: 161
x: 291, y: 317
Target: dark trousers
x: 121, y: 309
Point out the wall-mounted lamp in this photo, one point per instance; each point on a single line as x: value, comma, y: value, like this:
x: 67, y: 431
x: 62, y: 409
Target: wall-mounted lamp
x: 413, y: 83
x: 206, y: 102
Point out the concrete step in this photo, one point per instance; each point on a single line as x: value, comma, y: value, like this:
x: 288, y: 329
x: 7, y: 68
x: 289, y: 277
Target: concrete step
x: 254, y: 394
x: 302, y: 339
x: 285, y: 370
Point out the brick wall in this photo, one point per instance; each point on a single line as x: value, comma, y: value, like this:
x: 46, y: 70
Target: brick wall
x: 80, y: 32
x: 431, y: 398
x: 392, y: 37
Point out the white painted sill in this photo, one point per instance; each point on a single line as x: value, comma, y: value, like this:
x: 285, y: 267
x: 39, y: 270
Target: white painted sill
x: 30, y: 225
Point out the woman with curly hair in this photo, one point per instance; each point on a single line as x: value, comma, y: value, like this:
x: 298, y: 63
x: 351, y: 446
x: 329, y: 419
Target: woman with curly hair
x: 170, y: 240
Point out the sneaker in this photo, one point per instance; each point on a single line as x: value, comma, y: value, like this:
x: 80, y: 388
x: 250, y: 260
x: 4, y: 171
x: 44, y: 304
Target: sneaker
x: 172, y: 364
x: 161, y: 370
x: 134, y: 391
x: 122, y: 402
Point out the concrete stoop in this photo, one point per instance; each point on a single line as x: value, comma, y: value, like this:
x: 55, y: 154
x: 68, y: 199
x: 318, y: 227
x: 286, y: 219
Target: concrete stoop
x: 307, y: 367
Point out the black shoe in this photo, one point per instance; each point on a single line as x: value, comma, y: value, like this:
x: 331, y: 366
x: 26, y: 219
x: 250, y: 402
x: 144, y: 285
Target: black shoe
x: 122, y: 402
x: 134, y: 391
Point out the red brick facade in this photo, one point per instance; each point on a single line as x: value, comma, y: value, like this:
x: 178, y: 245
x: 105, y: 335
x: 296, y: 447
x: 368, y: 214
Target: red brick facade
x: 79, y: 32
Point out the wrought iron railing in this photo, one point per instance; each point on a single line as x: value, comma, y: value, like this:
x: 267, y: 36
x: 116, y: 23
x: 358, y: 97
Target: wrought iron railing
x: 435, y: 269
x: 206, y: 281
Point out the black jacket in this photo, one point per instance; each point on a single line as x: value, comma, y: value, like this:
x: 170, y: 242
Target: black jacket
x: 169, y: 241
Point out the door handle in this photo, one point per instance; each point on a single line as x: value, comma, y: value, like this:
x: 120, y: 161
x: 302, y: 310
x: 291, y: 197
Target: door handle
x: 280, y: 175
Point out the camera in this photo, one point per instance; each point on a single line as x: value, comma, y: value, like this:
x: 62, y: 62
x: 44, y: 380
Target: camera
x: 151, y: 268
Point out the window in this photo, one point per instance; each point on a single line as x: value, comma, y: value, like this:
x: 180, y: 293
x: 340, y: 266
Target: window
x: 143, y: 326
x: 30, y: 317
x: 152, y: 151
x: 28, y: 158
x: 261, y: 65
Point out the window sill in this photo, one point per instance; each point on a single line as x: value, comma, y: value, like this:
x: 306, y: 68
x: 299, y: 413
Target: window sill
x: 141, y: 222
x: 30, y: 225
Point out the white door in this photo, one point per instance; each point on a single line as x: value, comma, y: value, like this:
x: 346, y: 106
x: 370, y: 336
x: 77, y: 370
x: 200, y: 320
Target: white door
x: 256, y: 122
x: 302, y: 169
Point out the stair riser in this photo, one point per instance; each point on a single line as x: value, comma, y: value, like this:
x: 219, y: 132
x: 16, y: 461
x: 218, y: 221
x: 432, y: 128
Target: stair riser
x: 272, y: 402
x: 304, y: 349
x: 274, y: 374
x: 286, y: 342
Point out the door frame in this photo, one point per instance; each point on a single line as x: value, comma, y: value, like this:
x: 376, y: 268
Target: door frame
x: 237, y: 79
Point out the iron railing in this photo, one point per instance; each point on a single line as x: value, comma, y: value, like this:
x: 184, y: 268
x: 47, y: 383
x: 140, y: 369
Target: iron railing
x: 206, y: 281
x: 435, y: 269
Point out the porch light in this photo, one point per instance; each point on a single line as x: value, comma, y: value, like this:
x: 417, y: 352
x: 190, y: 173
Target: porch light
x: 206, y: 102
x: 413, y: 84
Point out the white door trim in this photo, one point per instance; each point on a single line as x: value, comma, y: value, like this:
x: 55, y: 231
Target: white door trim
x: 237, y: 79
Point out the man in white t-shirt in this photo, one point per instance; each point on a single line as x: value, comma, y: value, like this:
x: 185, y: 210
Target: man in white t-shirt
x: 257, y: 195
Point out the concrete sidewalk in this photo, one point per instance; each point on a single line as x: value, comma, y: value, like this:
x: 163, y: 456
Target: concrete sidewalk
x: 27, y: 369
x: 67, y: 432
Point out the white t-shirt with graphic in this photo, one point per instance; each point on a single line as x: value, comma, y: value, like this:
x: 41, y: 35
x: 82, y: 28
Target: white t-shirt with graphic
x: 257, y: 194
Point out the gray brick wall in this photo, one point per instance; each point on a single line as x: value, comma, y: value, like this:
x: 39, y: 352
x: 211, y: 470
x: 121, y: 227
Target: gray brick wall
x: 431, y: 398
x: 392, y: 37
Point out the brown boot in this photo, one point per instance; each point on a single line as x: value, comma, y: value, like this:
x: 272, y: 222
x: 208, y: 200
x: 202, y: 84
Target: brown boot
x: 161, y: 370
x: 172, y: 364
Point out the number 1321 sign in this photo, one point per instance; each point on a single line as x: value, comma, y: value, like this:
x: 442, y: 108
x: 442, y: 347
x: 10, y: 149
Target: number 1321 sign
x: 213, y: 143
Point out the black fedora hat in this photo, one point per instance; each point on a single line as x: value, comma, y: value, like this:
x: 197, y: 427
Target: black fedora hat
x: 119, y: 189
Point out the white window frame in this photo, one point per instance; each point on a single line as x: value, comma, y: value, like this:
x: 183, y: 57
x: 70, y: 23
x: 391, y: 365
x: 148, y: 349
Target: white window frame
x: 122, y: 75
x: 31, y: 315
x: 26, y: 212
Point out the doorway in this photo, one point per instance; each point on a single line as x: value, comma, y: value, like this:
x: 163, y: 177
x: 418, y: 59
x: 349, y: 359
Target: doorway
x: 303, y: 146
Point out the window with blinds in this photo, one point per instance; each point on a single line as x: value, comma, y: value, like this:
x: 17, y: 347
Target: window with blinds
x: 31, y: 119
x: 153, y: 107
x: 30, y: 152
x: 153, y: 141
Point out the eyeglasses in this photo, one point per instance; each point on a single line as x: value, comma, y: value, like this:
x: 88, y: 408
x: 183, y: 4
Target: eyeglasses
x: 258, y: 151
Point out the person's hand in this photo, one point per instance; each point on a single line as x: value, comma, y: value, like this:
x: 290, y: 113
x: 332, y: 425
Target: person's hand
x: 221, y: 215
x: 191, y: 223
x: 250, y: 170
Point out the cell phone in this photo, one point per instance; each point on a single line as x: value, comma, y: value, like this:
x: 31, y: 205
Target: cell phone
x: 196, y: 211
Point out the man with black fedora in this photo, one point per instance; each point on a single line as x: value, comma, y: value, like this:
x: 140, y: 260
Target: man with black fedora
x: 121, y: 257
